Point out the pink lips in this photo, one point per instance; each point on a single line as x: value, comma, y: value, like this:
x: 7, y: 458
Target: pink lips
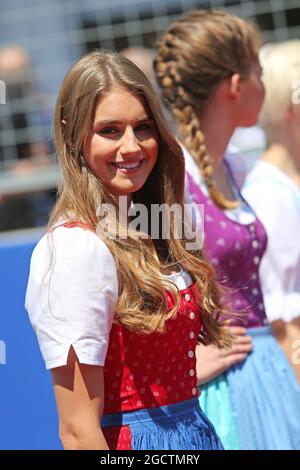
x: 128, y: 166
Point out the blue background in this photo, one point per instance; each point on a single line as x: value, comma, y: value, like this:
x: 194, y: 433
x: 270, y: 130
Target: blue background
x: 28, y: 417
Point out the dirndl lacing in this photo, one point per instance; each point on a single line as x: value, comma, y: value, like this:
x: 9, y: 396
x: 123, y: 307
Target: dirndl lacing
x: 180, y: 426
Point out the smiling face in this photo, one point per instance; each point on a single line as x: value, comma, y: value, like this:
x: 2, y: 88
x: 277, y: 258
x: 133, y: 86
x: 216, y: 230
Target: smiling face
x: 122, y: 147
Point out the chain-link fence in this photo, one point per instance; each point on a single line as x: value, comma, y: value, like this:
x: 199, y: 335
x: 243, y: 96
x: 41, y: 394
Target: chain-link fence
x: 46, y: 37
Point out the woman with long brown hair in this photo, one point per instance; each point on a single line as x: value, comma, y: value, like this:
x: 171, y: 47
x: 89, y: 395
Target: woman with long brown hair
x: 208, y: 69
x: 117, y: 311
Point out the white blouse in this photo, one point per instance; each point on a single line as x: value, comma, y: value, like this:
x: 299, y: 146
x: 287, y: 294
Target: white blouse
x: 276, y: 201
x: 243, y: 213
x: 71, y: 295
x: 70, y: 299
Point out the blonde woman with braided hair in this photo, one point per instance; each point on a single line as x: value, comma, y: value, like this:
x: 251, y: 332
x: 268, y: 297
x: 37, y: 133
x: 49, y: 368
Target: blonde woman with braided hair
x: 208, y: 69
x: 273, y: 189
x: 112, y: 313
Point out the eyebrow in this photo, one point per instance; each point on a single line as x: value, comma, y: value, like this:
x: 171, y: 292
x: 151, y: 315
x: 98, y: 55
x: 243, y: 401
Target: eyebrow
x: 111, y: 122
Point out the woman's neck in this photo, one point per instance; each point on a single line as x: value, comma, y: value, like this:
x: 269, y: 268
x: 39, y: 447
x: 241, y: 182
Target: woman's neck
x: 218, y: 129
x: 284, y: 158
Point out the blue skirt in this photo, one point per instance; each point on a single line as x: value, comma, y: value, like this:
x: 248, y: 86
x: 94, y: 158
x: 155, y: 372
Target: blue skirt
x: 216, y: 402
x: 265, y: 398
x: 180, y: 426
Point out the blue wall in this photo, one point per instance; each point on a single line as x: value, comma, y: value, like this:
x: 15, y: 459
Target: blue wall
x: 28, y: 418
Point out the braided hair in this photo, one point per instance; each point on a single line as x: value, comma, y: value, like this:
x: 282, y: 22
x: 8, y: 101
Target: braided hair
x: 194, y: 56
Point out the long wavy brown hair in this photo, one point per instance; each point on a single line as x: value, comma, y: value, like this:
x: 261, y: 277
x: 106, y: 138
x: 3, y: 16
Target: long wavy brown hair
x: 141, y: 304
x: 194, y: 55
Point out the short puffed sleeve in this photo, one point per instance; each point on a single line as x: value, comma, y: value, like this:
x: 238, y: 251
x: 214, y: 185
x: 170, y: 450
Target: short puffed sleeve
x: 71, y: 296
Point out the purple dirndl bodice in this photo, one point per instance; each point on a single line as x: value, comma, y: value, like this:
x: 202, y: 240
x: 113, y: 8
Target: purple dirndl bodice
x: 236, y: 251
